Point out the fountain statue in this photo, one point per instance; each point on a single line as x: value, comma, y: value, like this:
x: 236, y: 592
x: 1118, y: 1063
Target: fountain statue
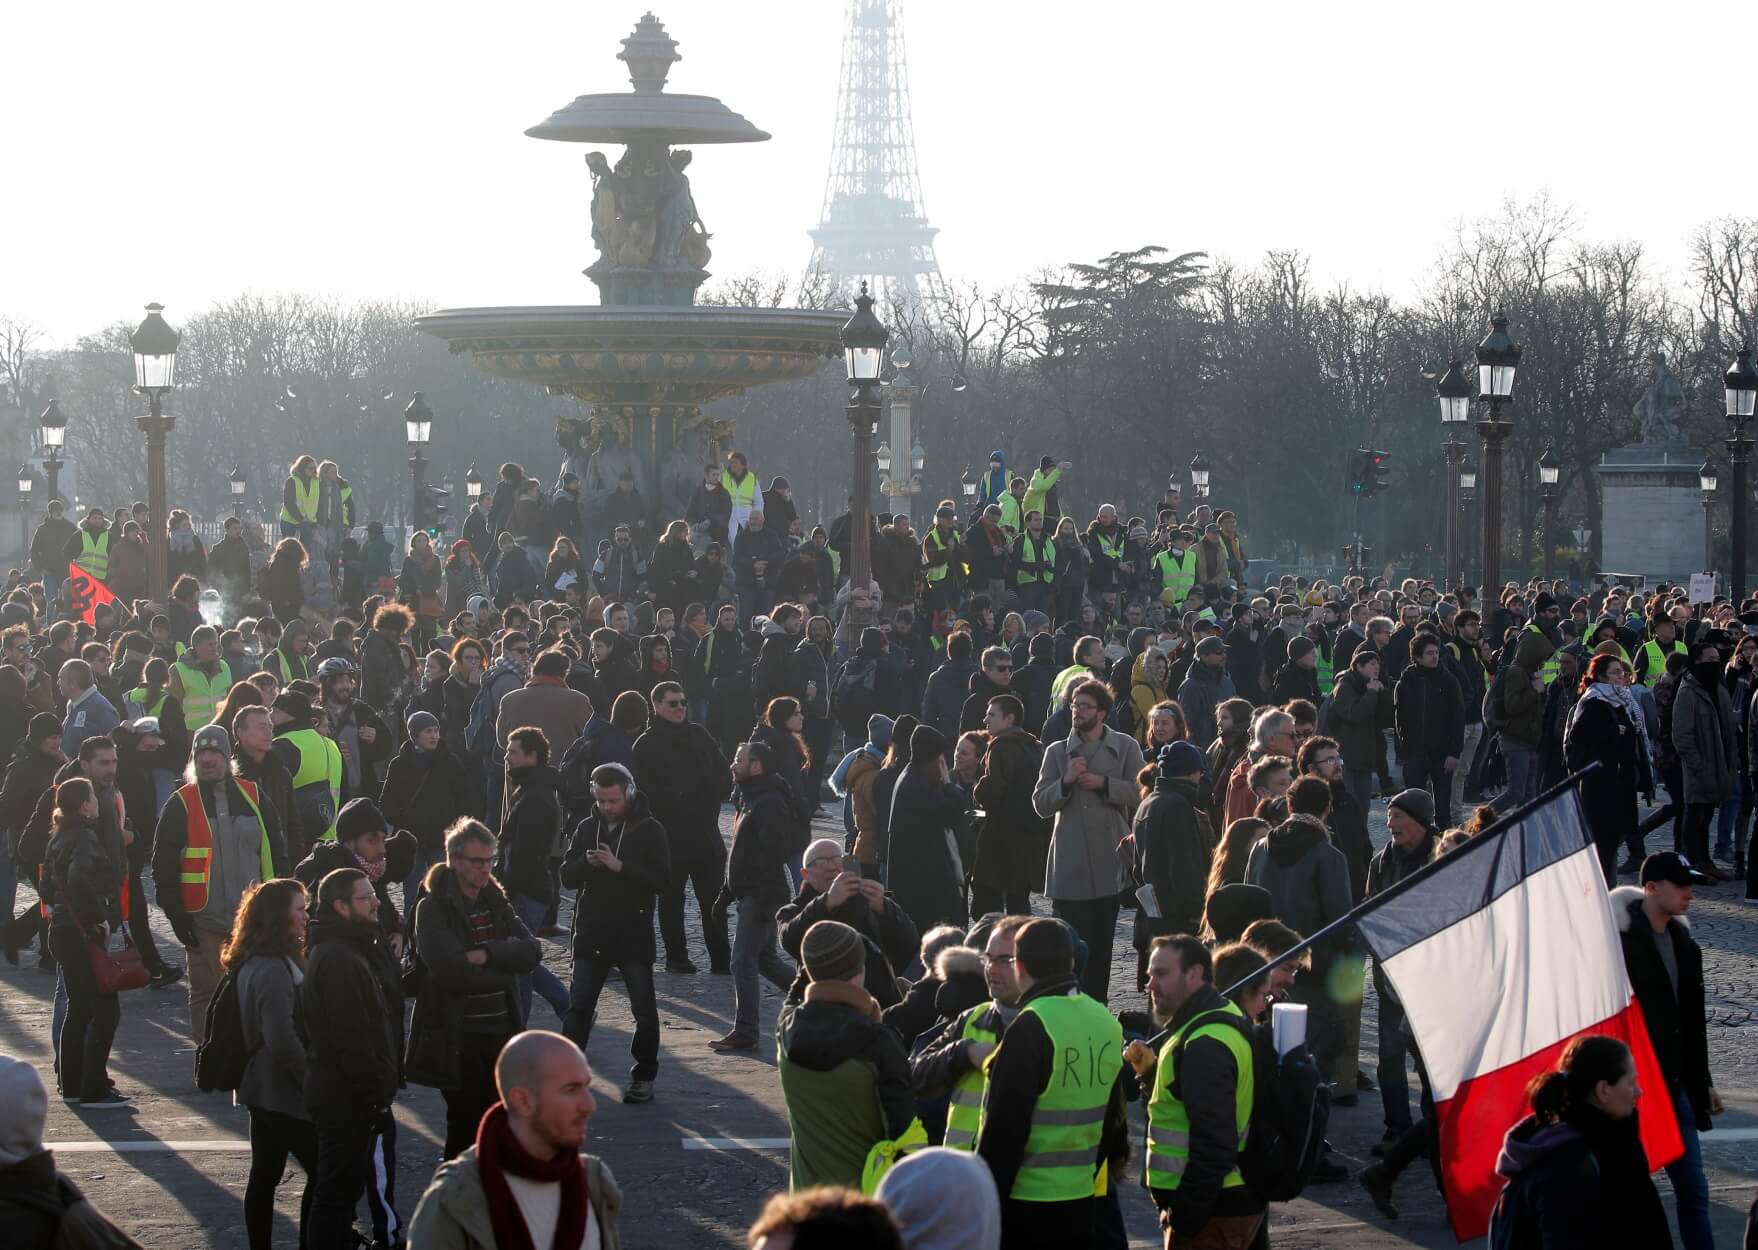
x: 647, y: 356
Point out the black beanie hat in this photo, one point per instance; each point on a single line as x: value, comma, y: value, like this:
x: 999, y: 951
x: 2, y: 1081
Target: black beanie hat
x: 43, y: 725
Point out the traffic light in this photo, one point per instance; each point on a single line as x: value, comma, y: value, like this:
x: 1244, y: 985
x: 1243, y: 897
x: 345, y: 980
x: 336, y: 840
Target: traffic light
x: 1358, y: 474
x: 1367, y: 472
x: 1376, y: 472
x: 430, y: 509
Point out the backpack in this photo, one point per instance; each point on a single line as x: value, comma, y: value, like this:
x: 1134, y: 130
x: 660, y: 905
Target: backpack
x: 854, y: 697
x: 1495, y: 705
x: 220, y: 1059
x: 1290, y: 1111
x: 576, y: 767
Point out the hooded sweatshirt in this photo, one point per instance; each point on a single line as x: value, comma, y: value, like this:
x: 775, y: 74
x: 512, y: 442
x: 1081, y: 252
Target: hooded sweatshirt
x: 943, y: 1200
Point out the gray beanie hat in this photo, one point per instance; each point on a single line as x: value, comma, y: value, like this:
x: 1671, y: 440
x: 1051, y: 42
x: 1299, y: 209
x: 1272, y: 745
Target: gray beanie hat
x: 832, y: 951
x: 419, y: 720
x: 24, y: 1109
x: 943, y: 1200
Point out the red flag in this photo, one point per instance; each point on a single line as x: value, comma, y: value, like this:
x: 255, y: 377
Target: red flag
x: 84, y: 593
x: 1501, y: 958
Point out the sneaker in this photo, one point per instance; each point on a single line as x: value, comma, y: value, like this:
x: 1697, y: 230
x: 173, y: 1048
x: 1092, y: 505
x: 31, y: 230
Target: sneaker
x: 1384, y: 1145
x: 1379, y: 1187
x: 1363, y: 1081
x: 733, y: 1041
x: 166, y: 977
x: 639, y: 1091
x: 110, y: 1100
x: 683, y: 967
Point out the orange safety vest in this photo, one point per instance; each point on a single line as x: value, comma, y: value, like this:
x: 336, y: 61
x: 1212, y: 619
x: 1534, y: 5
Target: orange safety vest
x: 198, y: 847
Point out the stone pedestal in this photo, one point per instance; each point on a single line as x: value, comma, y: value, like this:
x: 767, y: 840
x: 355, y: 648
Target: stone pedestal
x: 1651, y: 520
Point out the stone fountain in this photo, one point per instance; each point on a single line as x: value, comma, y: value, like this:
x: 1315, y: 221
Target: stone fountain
x: 646, y: 358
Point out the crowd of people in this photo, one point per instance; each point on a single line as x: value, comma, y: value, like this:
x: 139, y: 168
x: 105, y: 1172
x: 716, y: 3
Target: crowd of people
x: 363, y: 788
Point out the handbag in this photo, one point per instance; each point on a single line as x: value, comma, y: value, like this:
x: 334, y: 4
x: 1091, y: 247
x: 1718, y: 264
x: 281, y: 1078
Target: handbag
x: 115, y: 971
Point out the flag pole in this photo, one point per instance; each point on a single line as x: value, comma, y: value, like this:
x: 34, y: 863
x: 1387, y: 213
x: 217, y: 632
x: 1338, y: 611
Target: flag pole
x: 1354, y: 916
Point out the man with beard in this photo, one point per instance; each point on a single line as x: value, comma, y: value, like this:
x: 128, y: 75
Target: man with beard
x: 1200, y: 1089
x: 679, y: 766
x: 365, y: 840
x: 355, y: 727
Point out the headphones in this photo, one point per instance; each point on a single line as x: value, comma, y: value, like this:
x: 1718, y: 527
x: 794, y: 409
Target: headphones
x: 628, y: 779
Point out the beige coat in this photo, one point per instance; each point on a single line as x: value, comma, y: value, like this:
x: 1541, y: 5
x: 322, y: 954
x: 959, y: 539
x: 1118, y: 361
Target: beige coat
x: 1083, y: 862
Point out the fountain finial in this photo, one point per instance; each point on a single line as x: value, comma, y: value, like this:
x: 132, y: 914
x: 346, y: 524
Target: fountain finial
x: 649, y: 53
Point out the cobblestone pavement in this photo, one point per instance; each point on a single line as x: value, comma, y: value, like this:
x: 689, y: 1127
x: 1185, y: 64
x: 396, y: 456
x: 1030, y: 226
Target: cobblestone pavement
x: 184, y: 1186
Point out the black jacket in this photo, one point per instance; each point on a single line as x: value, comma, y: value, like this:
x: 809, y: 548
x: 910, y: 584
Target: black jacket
x: 1012, y: 839
x: 943, y: 700
x: 443, y: 939
x: 530, y: 830
x: 40, y: 1209
x: 982, y: 688
x: 1173, y: 846
x: 613, y: 914
x: 1018, y: 1072
x: 925, y: 874
x: 28, y: 778
x: 274, y: 788
x: 1430, y: 713
x: 79, y: 879
x: 1579, y: 1185
x: 681, y: 773
x: 1603, y: 732
x: 763, y: 837
x: 1676, y: 1024
x: 1348, y: 823
x: 425, y: 791
x: 352, y: 1002
x: 1357, y: 714
x: 892, y: 938
x: 325, y: 857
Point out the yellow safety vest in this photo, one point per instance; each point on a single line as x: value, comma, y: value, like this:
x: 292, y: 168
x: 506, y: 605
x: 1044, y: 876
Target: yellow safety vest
x: 1043, y: 551
x: 317, y: 784
x: 202, y: 695
x: 1656, y: 657
x: 1549, y: 669
x: 94, y: 555
x: 938, y: 571
x: 1012, y: 515
x: 1068, y: 1120
x: 1169, y: 1122
x: 138, y: 697
x: 964, y: 1106
x: 1176, y: 576
x: 286, y: 666
x: 305, y: 495
x: 744, y: 493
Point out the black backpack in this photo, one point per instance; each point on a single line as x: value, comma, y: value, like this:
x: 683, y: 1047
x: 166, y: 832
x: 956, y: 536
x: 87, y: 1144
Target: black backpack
x: 1495, y: 705
x: 855, y: 696
x: 1290, y: 1111
x: 576, y: 768
x: 220, y: 1059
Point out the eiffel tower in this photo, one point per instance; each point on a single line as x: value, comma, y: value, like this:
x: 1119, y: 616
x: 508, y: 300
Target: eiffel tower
x: 873, y: 227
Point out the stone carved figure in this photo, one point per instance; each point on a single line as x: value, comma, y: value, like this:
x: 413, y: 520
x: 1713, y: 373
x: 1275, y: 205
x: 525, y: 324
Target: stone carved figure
x: 606, y: 225
x: 646, y: 217
x: 1662, y: 405
x: 681, y: 234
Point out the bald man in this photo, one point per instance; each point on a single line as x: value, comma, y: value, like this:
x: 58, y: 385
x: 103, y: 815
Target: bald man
x: 831, y: 888
x: 528, y: 1146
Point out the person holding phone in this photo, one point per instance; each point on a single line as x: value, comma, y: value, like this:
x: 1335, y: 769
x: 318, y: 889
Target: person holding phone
x: 832, y: 888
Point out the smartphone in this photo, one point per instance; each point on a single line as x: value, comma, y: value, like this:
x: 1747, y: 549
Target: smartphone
x: 851, y: 863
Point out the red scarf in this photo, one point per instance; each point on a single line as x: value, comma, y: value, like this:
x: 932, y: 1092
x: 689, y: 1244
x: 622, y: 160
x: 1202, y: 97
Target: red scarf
x: 498, y: 1153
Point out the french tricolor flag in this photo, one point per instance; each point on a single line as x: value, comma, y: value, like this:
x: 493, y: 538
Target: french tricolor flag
x: 1501, y: 952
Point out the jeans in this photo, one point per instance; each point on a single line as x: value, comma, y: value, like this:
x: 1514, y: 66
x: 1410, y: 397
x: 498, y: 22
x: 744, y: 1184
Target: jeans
x: 545, y: 982
x: 273, y: 1136
x: 355, y: 1153
x: 1690, y: 1186
x: 1468, y: 771
x: 1522, y: 776
x: 91, y: 1021
x: 1696, y: 832
x: 1431, y: 775
x: 704, y: 875
x: 755, y: 950
x: 818, y: 743
x: 637, y: 974
x: 1394, y: 1048
x: 475, y: 1092
x: 1095, y: 920
x: 1359, y: 783
x: 1731, y: 820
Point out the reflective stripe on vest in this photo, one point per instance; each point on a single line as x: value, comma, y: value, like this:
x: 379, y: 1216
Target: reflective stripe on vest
x: 138, y: 697
x: 964, y: 1106
x: 1656, y: 660
x: 938, y: 571
x: 1043, y: 551
x: 1177, y: 577
x: 1549, y: 669
x: 1168, y: 1138
x: 305, y: 497
x: 317, y: 783
x: 1112, y: 549
x: 202, y: 695
x: 94, y: 555
x: 744, y: 493
x: 1327, y: 671
x: 286, y: 666
x: 198, y: 846
x: 1062, y: 1147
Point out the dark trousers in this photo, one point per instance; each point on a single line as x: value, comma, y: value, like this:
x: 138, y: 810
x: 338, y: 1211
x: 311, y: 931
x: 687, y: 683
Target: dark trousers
x: 1695, y: 835
x: 1430, y: 775
x: 704, y: 876
x: 352, y: 1143
x: 475, y: 1092
x: 637, y: 974
x: 1394, y: 1048
x: 1050, y: 1225
x: 140, y: 925
x: 1095, y: 920
x: 817, y: 737
x: 273, y: 1136
x: 988, y: 898
x: 91, y: 1021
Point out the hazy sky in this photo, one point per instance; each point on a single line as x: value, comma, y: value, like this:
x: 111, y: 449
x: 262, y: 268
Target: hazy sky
x: 186, y: 152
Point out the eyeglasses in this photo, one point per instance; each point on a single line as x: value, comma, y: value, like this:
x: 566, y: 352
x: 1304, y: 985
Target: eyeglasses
x: 1083, y: 705
x: 1322, y: 760
x: 480, y: 861
x: 1002, y: 668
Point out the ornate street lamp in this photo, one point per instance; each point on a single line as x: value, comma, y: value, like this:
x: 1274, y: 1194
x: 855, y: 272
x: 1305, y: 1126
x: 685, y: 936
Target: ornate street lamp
x: 1199, y: 476
x: 1498, y: 359
x: 1740, y: 385
x: 154, y: 344
x: 418, y: 430
x: 882, y: 458
x: 918, y: 458
x: 1467, y: 497
x: 1550, y: 471
x: 52, y: 433
x: 473, y: 485
x: 864, y: 339
x: 25, y: 482
x: 1707, y: 480
x: 967, y: 485
x: 1454, y: 393
x: 237, y: 483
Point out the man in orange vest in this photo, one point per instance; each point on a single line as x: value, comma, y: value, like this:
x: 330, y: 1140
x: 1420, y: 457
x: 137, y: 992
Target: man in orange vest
x: 215, y: 840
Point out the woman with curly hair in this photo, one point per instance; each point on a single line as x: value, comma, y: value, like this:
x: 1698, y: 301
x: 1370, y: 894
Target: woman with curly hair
x: 265, y: 956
